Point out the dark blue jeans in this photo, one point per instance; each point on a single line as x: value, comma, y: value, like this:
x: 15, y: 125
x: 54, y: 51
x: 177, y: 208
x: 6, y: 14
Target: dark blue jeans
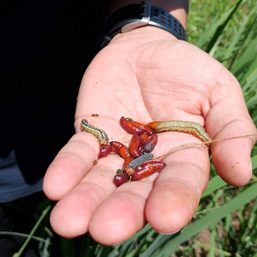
x: 12, y: 183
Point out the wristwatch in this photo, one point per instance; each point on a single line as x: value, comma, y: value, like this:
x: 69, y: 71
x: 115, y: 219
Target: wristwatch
x: 138, y: 15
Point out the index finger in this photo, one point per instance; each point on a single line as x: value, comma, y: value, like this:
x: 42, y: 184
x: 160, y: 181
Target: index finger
x: 74, y: 160
x: 70, y: 165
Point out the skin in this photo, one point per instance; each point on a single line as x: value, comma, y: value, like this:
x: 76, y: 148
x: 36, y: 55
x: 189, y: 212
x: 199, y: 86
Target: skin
x: 148, y: 75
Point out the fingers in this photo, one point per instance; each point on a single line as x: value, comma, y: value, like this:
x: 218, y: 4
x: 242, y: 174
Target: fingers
x: 229, y: 118
x: 113, y: 215
x: 70, y: 165
x: 77, y: 157
x: 95, y: 205
x: 71, y: 214
x: 177, y: 190
x: 121, y: 215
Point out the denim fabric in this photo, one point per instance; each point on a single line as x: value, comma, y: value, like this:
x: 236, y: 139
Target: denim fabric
x: 12, y: 183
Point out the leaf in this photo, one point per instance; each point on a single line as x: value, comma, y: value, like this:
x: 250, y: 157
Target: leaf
x: 215, y: 183
x: 254, y: 162
x: 243, y: 36
x: 214, y: 31
x: 164, y: 246
x: 246, y: 58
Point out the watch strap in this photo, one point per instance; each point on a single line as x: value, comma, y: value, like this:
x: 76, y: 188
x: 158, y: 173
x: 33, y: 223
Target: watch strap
x: 133, y: 16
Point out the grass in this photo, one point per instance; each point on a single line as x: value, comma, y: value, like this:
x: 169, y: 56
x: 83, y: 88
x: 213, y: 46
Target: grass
x: 226, y: 220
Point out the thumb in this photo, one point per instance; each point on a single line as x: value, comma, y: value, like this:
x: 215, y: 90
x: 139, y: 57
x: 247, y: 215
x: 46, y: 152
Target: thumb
x: 229, y: 119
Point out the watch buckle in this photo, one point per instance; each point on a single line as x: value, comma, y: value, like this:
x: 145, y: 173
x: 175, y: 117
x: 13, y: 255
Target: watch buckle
x: 136, y: 24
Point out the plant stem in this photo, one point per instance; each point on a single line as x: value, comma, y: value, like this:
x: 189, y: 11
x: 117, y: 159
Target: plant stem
x: 30, y: 236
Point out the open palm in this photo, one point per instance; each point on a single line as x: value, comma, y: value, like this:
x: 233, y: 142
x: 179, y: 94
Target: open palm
x: 148, y: 75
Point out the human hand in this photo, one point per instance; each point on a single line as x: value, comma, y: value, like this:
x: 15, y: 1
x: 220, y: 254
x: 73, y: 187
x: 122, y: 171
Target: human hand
x: 147, y: 75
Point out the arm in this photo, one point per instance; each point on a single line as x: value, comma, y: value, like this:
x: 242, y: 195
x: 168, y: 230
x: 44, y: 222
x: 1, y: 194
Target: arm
x: 148, y: 74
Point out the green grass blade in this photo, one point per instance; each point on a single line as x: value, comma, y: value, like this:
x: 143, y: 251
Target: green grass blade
x: 104, y: 252
x: 245, y: 59
x: 18, y: 234
x: 241, y: 34
x: 211, y: 252
x: 39, y: 221
x: 242, y: 37
x: 254, y: 162
x: 251, y: 76
x: 214, y: 31
x: 167, y: 245
x: 215, y: 183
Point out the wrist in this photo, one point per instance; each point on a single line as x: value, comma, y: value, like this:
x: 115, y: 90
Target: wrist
x: 177, y: 8
x: 144, y: 14
x: 141, y: 36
